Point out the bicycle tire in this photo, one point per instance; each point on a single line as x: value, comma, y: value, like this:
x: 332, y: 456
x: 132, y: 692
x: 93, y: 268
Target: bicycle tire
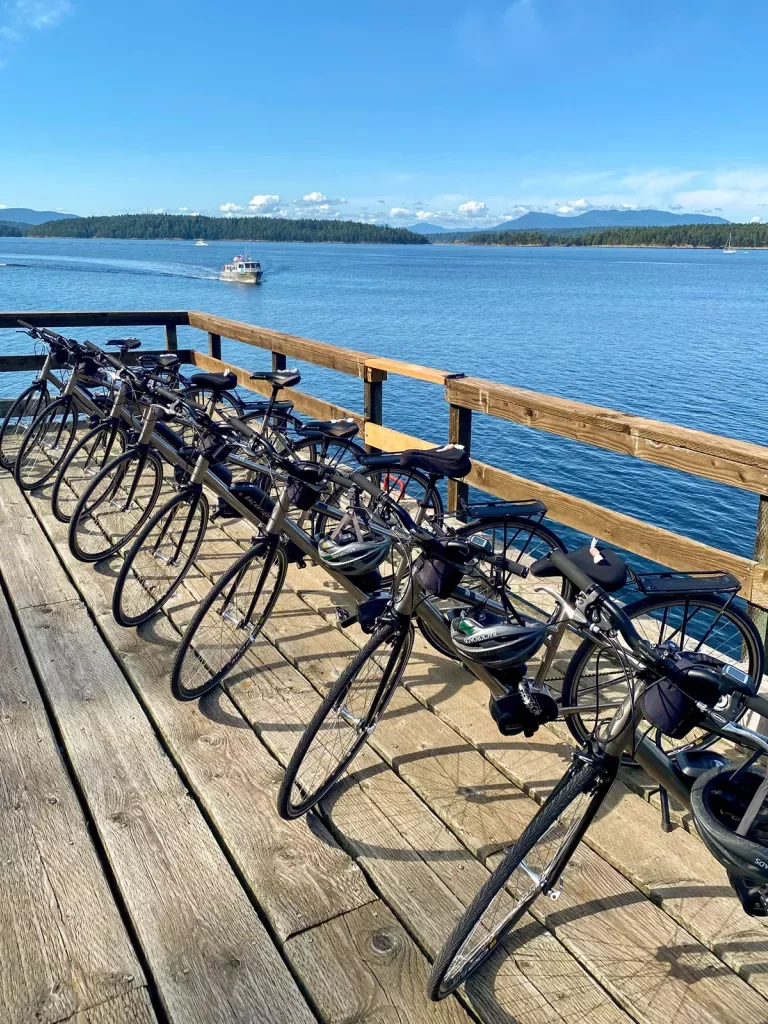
x: 92, y: 537
x: 34, y: 453
x: 748, y: 640
x: 401, y: 636
x: 582, y: 778
x: 138, y: 576
x: 63, y: 503
x: 194, y: 655
x: 10, y: 435
x: 518, y: 591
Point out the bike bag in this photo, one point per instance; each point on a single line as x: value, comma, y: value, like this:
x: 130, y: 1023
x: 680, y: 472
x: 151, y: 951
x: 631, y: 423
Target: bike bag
x: 439, y: 569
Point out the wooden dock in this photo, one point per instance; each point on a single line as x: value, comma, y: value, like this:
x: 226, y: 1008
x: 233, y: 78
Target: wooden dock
x: 146, y: 875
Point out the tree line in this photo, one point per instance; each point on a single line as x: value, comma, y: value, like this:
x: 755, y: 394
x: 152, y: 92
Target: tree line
x: 245, y: 229
x: 709, y: 236
x: 8, y: 230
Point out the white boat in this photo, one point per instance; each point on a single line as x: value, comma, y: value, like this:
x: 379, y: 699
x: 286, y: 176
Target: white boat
x: 242, y: 269
x: 728, y: 247
x: 201, y: 241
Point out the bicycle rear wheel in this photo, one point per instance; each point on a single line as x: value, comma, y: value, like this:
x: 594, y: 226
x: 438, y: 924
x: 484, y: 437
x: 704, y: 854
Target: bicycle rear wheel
x: 18, y: 419
x: 532, y: 866
x: 115, y: 505
x: 228, y: 621
x: 696, y: 623
x: 84, y: 462
x: 160, y: 557
x: 345, y: 719
x: 45, y: 444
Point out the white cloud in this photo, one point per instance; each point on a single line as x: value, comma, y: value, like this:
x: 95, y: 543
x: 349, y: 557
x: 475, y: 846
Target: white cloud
x: 231, y: 207
x: 263, y: 204
x: 22, y: 16
x: 3, y: 206
x: 473, y: 209
x: 314, y: 197
x: 565, y: 210
x: 401, y: 211
x: 160, y: 210
x: 755, y: 220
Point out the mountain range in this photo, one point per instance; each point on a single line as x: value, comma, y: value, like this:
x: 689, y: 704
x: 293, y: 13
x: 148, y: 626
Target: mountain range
x: 21, y: 215
x: 590, y: 219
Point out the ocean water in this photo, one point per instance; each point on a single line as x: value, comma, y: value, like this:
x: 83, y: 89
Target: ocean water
x: 677, y: 335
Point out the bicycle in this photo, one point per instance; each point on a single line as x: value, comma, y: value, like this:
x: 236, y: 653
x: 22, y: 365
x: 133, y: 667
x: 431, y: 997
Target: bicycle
x: 675, y: 690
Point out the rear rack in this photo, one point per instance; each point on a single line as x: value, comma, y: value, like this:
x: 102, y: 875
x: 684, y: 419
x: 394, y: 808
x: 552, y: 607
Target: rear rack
x: 497, y: 509
x: 705, y: 581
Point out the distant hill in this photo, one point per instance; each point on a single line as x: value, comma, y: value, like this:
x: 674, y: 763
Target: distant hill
x: 19, y: 215
x: 422, y: 228
x: 703, y: 236
x: 607, y: 219
x: 238, y: 229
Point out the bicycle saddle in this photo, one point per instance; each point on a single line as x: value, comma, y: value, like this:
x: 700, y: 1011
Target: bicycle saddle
x: 165, y: 360
x: 215, y: 381
x: 608, y: 572
x: 279, y: 378
x: 330, y: 428
x: 451, y: 460
x: 125, y: 344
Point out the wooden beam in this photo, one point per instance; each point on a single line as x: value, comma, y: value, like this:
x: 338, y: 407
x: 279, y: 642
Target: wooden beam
x: 315, y: 408
x: 726, y: 460
x: 653, y: 542
x: 459, y: 432
x: 373, y: 400
x: 171, y: 339
x: 79, y: 318
x: 278, y: 361
x: 318, y: 352
x: 214, y: 345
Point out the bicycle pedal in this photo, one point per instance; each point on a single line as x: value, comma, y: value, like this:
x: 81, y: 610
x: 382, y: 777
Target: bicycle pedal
x: 345, y: 618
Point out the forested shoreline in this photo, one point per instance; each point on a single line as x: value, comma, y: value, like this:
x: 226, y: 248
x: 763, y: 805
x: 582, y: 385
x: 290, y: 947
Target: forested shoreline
x: 155, y: 226
x: 694, y: 236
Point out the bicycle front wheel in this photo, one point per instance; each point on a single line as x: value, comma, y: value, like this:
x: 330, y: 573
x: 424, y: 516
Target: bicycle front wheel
x: 19, y: 417
x: 346, y: 718
x: 45, y: 444
x: 228, y: 621
x: 160, y: 557
x: 532, y: 866
x: 115, y: 505
x: 85, y: 460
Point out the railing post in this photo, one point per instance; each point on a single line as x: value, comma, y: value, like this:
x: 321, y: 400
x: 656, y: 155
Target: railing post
x: 373, y: 393
x: 459, y: 432
x: 171, y: 341
x: 278, y: 361
x: 759, y: 615
x: 214, y: 346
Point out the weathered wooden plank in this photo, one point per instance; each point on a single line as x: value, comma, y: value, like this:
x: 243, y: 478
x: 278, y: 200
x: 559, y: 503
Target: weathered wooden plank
x: 738, y: 463
x: 132, y: 1008
x: 362, y: 966
x: 15, y: 364
x: 405, y: 369
x: 316, y: 408
x: 63, y: 945
x: 334, y: 357
x: 80, y: 318
x: 299, y: 877
x: 26, y: 559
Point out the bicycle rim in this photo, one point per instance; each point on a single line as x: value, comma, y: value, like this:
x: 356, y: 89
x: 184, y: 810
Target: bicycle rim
x: 115, y: 505
x: 160, y: 557
x: 227, y: 623
x: 345, y: 719
x: 45, y: 444
x: 24, y: 410
x: 533, y: 866
x: 82, y: 465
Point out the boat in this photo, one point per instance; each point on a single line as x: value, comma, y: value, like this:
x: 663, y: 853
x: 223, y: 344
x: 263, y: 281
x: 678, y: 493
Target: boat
x: 728, y: 247
x: 201, y: 241
x: 243, y: 269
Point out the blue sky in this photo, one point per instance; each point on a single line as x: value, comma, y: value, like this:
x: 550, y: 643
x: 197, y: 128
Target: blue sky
x: 453, y: 112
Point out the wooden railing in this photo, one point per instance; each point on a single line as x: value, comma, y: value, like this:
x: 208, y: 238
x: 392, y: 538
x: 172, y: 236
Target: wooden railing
x: 725, y: 460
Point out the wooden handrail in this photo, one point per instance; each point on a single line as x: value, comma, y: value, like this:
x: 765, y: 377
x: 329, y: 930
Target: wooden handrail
x: 725, y: 460
x: 738, y: 463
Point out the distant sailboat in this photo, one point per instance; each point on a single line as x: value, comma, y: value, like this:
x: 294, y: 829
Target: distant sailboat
x: 728, y: 247
x: 201, y: 241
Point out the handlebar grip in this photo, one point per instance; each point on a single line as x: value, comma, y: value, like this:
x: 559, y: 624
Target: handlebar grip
x: 103, y: 356
x: 571, y: 572
x: 758, y: 704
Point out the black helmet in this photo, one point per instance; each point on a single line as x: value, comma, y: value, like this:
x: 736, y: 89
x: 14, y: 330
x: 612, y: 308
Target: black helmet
x: 496, y: 643
x: 719, y: 801
x: 353, y: 553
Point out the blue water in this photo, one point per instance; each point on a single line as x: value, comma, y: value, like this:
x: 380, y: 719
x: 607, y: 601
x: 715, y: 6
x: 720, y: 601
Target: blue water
x: 677, y: 335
